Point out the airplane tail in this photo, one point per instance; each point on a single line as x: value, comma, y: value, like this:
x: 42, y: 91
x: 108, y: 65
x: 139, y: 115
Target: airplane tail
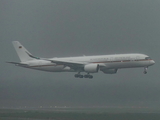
x: 22, y: 52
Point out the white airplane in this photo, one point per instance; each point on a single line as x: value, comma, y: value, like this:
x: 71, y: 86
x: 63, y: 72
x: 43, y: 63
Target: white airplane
x: 108, y: 64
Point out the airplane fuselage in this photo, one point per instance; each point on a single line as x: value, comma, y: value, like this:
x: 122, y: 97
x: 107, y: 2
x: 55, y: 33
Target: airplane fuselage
x: 117, y: 61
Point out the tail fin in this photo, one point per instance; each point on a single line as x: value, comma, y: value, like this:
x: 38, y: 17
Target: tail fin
x: 22, y: 52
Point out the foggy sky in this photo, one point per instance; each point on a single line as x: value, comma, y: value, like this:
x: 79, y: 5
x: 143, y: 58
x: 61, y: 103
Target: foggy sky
x: 61, y: 28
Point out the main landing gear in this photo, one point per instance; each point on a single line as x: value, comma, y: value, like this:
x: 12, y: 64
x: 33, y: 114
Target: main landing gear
x: 88, y: 76
x: 83, y: 76
x: 78, y: 76
x: 145, y: 70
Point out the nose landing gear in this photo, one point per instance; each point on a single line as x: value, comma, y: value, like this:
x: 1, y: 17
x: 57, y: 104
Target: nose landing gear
x: 145, y: 70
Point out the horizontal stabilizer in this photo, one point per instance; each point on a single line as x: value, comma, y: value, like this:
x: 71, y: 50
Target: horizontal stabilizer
x: 18, y: 64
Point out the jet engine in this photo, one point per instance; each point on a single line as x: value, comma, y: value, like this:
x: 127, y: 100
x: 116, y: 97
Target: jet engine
x: 109, y: 71
x: 91, y: 68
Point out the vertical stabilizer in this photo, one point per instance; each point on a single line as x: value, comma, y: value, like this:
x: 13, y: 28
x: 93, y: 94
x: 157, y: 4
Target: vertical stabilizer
x: 21, y: 51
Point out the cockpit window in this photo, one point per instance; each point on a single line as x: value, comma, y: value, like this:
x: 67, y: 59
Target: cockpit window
x: 148, y: 58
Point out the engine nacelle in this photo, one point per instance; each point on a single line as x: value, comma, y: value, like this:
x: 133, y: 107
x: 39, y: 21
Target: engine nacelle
x: 91, y: 68
x: 110, y: 71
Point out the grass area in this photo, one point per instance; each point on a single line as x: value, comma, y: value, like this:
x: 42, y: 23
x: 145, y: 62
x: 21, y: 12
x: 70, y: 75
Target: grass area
x: 71, y: 115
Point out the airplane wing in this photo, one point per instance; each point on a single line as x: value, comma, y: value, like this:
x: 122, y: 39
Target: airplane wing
x: 72, y: 64
x: 18, y: 64
x: 76, y: 65
x: 66, y: 62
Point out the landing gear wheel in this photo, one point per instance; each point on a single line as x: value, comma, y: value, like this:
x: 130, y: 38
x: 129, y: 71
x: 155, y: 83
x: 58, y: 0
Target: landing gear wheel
x: 81, y: 76
x: 145, y: 72
x: 76, y: 75
x: 86, y: 76
x: 90, y: 76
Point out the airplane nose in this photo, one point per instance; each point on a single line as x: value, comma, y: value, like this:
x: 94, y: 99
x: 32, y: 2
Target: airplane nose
x: 152, y: 62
